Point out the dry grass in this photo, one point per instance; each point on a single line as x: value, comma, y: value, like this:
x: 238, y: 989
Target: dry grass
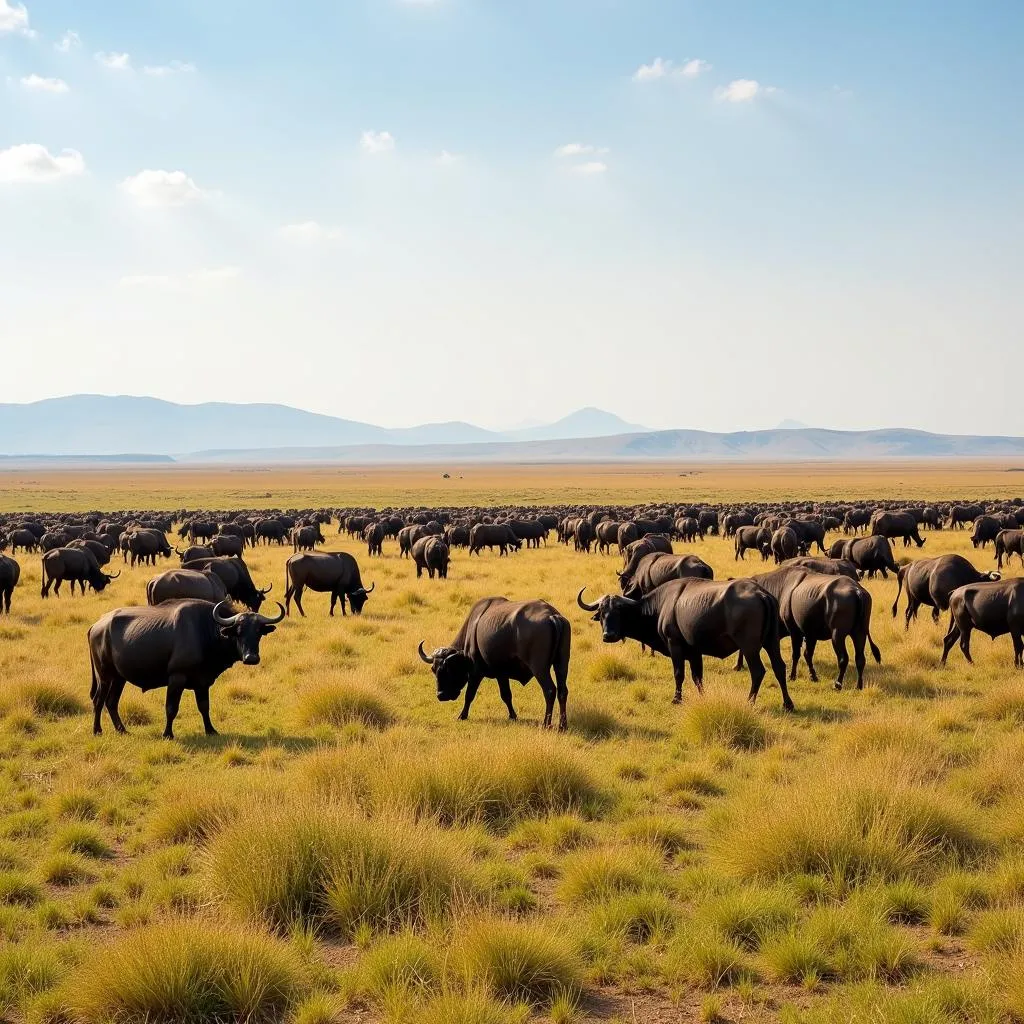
x: 859, y: 860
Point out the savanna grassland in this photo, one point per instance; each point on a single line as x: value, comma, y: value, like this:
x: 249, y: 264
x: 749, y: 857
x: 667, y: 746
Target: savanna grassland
x: 346, y: 850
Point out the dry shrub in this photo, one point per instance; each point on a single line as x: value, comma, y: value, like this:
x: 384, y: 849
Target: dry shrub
x: 726, y: 720
x: 337, y: 705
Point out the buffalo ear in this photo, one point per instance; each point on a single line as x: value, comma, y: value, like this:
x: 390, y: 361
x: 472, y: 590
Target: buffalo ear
x: 596, y: 617
x: 267, y: 629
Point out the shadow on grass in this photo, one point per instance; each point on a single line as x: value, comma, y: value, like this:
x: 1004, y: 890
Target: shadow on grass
x: 206, y: 744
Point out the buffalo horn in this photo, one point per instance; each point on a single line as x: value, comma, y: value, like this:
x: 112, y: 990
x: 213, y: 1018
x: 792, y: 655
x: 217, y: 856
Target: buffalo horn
x: 268, y: 621
x: 115, y: 575
x: 423, y: 656
x: 372, y: 585
x: 586, y: 607
x: 222, y: 620
x: 267, y: 589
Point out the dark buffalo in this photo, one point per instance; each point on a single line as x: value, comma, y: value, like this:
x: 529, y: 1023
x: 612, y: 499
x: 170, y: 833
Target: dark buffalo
x: 961, y: 515
x: 457, y: 537
x: 827, y: 566
x: 1007, y: 543
x: 431, y: 553
x: 491, y: 536
x: 194, y: 553
x: 707, y: 522
x: 808, y: 531
x: 227, y: 545
x: 184, y: 645
x: 628, y: 533
x: 306, y: 538
x: 335, y: 573
x: 271, y: 530
x: 896, y: 524
x: 373, y: 534
x: 786, y: 544
x: 235, y: 575
x: 24, y: 539
x: 689, y: 619
x: 986, y: 529
x: 408, y: 536
x: 856, y: 519
x: 607, y: 534
x: 815, y: 606
x: 10, y: 573
x: 506, y: 640
x: 99, y: 550
x: 186, y: 584
x: 583, y: 536
x: 869, y: 554
x: 687, y: 529
x: 756, y: 538
x: 652, y: 544
x: 144, y: 546
x: 930, y: 581
x: 656, y: 568
x: 75, y: 566
x: 530, y: 531
x: 995, y: 608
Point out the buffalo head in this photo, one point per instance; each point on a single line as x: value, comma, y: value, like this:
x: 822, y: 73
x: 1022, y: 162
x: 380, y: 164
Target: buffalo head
x: 610, y: 612
x: 246, y: 629
x: 357, y: 598
x: 451, y: 669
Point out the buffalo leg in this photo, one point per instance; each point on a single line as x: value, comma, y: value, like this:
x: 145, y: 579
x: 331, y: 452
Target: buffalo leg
x: 203, y: 704
x: 297, y: 595
x: 951, y: 637
x: 175, y: 688
x: 965, y: 642
x: 562, y: 692
x: 678, y: 657
x: 697, y: 671
x: 757, y: 673
x: 809, y: 658
x: 113, y: 699
x: 1018, y: 650
x: 506, y: 695
x: 842, y: 657
x: 471, y: 688
x: 859, y: 660
x: 796, y: 638
x: 738, y: 667
x: 99, y: 698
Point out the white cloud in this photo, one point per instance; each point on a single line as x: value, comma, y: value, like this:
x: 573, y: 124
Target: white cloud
x: 658, y: 68
x: 579, y: 149
x: 376, y: 142
x: 742, y: 90
x: 39, y: 84
x: 114, y: 61
x: 14, y: 18
x: 662, y: 68
x: 590, y: 167
x: 181, y: 282
x: 162, y: 188
x: 31, y: 162
x: 175, y: 67
x: 68, y: 42
x: 309, y: 231
x: 694, y: 68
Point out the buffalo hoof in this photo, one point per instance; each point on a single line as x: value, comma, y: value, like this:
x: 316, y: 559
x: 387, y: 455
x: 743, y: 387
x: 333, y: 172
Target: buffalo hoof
x: 168, y: 736
x: 790, y: 706
x: 677, y: 700
x: 838, y: 686
x: 212, y: 732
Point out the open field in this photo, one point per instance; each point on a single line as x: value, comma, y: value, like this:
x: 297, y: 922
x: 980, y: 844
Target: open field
x: 346, y: 850
x: 626, y: 483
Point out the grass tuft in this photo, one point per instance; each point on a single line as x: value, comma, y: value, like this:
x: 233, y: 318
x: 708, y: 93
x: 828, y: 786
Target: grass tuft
x: 338, y: 705
x: 728, y: 721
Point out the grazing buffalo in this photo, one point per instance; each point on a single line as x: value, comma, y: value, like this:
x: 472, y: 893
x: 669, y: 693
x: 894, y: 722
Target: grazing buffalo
x: 99, y: 550
x: 24, y: 539
x: 306, y: 538
x: 506, y: 640
x: 1007, y: 543
x: 689, y: 618
x: 869, y: 554
x: 856, y: 519
x: 271, y: 530
x: 186, y: 584
x: 707, y: 522
x: 808, y: 531
x: 10, y: 573
x: 431, y: 553
x: 628, y: 533
x: 583, y: 536
x: 756, y: 538
x: 687, y: 529
x: 656, y: 568
x: 930, y: 581
x: 815, y: 606
x: 194, y: 553
x: 652, y: 544
x: 144, y: 545
x: 529, y: 530
x: 607, y: 534
x: 457, y: 537
x: 235, y: 575
x: 184, y: 645
x: 961, y: 515
x: 335, y: 573
x: 491, y: 536
x: 75, y: 566
x: 373, y: 534
x: 896, y: 524
x: 986, y: 528
x: 786, y: 544
x: 995, y: 608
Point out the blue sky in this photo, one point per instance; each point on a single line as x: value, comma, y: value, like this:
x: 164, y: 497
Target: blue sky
x: 691, y: 212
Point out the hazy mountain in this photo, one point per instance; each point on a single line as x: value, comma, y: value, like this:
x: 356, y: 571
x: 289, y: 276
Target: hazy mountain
x: 106, y: 425
x: 780, y: 445
x: 589, y: 422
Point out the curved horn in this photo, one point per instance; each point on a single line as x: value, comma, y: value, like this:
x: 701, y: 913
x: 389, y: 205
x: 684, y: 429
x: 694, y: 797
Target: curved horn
x: 370, y: 588
x: 115, y: 575
x: 180, y: 554
x: 586, y: 607
x: 423, y: 656
x: 223, y: 620
x: 266, y: 590
x: 621, y: 576
x: 268, y: 621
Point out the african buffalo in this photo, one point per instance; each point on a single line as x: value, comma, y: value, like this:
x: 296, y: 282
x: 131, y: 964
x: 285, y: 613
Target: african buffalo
x: 995, y: 608
x: 785, y: 544
x: 506, y: 640
x: 689, y: 618
x: 896, y: 524
x: 431, y: 553
x: 186, y: 584
x: 491, y: 536
x: 756, y: 538
x: 930, y: 581
x: 325, y: 572
x: 144, y: 545
x: 24, y: 539
x: 184, y: 645
x: 10, y: 573
x: 235, y: 575
x: 1007, y: 543
x: 306, y: 538
x: 75, y: 566
x: 228, y: 545
x: 656, y: 568
x: 869, y: 554
x: 373, y: 534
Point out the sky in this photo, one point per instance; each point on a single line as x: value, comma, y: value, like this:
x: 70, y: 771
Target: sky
x: 693, y: 213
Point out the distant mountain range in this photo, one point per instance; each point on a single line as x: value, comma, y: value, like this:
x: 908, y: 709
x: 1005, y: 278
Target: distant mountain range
x: 107, y: 425
x: 83, y: 427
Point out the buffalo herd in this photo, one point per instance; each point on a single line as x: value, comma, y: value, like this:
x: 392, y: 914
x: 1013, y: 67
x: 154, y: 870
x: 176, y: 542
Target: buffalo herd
x: 204, y: 616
